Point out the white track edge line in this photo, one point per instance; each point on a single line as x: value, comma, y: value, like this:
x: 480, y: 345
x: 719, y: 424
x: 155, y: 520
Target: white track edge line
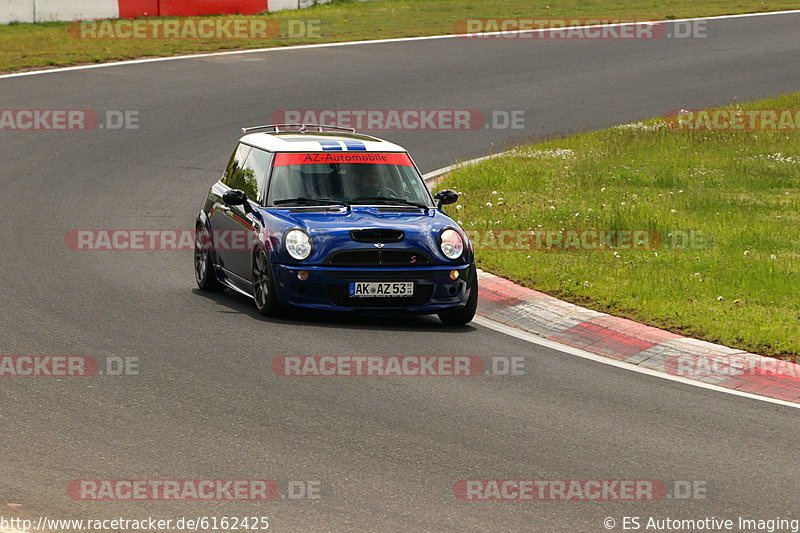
x: 376, y: 41
x: 436, y: 173
x: 547, y: 343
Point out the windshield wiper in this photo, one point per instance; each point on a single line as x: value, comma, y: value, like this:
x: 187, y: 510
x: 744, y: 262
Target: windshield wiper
x: 311, y: 201
x: 388, y: 200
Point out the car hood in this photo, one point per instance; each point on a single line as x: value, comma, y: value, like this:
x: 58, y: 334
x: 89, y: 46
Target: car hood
x: 330, y: 229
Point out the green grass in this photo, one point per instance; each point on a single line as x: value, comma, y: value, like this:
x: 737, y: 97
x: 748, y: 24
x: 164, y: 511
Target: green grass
x: 25, y: 46
x: 742, y: 188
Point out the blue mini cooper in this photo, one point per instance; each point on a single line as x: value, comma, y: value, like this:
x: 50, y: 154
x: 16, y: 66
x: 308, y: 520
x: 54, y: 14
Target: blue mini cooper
x: 320, y: 217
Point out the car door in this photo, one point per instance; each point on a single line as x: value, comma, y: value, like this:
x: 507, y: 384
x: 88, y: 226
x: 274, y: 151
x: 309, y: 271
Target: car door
x: 221, y: 224
x: 239, y: 224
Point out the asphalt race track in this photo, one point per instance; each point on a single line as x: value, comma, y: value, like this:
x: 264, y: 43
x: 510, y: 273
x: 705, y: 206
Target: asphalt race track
x: 388, y: 451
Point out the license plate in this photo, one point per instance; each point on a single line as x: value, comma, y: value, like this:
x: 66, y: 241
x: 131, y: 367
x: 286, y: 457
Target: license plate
x: 374, y: 289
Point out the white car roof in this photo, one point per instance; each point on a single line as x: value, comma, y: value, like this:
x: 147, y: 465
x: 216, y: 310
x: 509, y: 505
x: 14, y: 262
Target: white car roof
x: 318, y: 142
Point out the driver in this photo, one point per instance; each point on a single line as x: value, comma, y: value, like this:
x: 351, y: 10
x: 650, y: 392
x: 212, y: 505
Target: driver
x: 370, y: 182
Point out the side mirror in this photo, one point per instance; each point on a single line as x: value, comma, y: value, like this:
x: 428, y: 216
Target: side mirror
x: 234, y: 197
x: 237, y: 197
x: 445, y: 197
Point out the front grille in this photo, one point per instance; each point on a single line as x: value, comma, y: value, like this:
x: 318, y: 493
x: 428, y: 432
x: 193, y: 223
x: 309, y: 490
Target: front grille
x: 379, y: 258
x: 377, y: 235
x: 396, y: 275
x: 341, y: 296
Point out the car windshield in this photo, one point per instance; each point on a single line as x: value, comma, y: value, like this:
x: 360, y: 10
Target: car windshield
x: 368, y: 179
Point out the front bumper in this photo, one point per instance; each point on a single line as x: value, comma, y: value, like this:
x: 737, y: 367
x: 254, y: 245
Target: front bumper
x: 327, y: 288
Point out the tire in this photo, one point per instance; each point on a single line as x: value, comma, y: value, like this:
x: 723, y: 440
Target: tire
x: 463, y: 316
x: 205, y: 274
x: 264, y: 293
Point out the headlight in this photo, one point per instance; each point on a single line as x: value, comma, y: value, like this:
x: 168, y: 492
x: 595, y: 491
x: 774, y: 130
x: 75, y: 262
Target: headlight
x: 298, y: 244
x: 452, y: 244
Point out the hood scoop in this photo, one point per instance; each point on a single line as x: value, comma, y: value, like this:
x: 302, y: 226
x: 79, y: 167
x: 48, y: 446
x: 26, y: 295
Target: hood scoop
x: 399, y: 209
x: 375, y: 236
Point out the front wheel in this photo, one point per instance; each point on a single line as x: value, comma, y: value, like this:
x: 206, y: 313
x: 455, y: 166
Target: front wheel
x: 264, y: 292
x: 464, y: 315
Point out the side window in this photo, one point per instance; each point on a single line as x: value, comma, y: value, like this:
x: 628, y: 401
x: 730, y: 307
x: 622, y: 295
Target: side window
x: 234, y: 170
x: 256, y: 167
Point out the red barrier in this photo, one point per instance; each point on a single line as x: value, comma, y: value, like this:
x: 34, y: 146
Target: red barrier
x: 130, y: 9
x: 185, y: 8
x: 188, y: 8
